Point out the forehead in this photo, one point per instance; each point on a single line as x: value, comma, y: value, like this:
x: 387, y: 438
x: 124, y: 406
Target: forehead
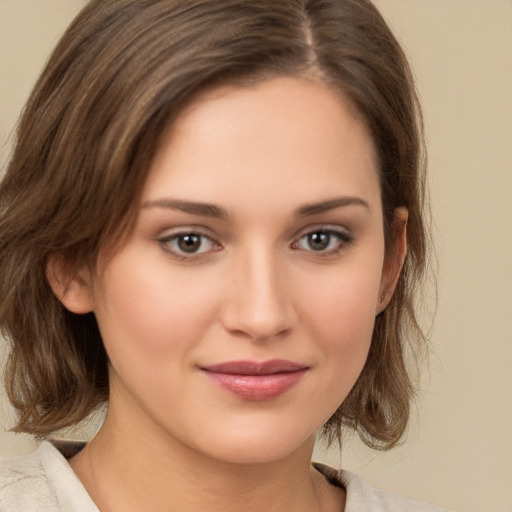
x: 287, y: 139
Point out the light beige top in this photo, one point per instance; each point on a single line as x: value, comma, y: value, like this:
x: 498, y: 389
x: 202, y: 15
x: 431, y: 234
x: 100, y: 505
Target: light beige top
x: 44, y: 481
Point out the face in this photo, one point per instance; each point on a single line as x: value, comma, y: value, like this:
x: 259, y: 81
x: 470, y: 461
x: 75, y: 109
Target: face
x: 238, y: 315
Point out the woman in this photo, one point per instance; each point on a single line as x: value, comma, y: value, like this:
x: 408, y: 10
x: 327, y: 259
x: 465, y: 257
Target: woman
x: 212, y: 221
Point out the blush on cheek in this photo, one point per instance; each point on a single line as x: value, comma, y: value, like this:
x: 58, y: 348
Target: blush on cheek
x: 344, y: 311
x: 343, y: 325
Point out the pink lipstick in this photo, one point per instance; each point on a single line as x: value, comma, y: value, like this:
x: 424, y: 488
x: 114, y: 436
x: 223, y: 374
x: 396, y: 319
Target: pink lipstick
x: 256, y: 381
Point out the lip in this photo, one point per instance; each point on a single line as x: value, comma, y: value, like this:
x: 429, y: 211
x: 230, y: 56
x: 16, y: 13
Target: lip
x: 256, y: 381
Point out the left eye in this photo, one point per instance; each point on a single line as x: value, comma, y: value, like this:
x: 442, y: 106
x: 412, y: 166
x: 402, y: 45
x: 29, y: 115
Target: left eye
x: 189, y: 243
x: 322, y: 240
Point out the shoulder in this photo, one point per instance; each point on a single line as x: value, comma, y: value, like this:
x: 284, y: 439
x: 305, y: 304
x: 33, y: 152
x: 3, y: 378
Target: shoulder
x: 361, y: 494
x: 362, y: 497
x: 24, y: 485
x: 42, y: 481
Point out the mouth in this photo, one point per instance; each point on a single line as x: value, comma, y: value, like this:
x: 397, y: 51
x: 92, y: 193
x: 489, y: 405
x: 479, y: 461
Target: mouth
x: 256, y: 380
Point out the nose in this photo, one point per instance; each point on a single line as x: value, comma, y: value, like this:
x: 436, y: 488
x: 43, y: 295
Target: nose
x: 258, y: 304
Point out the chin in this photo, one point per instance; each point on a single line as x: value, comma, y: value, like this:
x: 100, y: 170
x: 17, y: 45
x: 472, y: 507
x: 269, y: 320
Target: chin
x: 260, y: 447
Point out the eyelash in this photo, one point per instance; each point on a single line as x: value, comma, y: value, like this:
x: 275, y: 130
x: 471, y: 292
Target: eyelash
x: 341, y: 237
x: 344, y: 239
x: 168, y: 241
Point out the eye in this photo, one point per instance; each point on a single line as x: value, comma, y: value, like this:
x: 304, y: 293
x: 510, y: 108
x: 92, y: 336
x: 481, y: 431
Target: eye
x: 323, y: 240
x: 188, y: 243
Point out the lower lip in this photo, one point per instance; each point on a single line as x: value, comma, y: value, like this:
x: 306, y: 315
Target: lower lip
x: 257, y: 387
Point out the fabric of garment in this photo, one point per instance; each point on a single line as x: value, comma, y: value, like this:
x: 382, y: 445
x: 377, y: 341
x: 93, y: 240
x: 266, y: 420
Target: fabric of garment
x: 43, y: 481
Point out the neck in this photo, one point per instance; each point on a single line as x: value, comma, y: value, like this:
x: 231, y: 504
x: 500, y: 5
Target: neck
x: 134, y: 464
x: 121, y: 471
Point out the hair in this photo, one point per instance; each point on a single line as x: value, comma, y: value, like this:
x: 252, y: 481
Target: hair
x: 122, y: 72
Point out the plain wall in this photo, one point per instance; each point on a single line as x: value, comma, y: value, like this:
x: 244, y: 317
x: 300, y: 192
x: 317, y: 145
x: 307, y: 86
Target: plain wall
x: 459, y: 447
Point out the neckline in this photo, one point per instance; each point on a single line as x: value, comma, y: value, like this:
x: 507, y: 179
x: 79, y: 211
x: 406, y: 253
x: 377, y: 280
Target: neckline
x: 66, y: 448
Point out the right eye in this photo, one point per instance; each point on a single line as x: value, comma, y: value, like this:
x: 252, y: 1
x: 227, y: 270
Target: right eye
x: 188, y: 243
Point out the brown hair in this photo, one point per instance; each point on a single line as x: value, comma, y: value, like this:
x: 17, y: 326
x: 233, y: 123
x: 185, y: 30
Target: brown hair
x: 120, y: 74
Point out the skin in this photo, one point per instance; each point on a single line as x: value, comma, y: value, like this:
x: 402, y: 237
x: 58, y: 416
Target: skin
x: 257, y: 288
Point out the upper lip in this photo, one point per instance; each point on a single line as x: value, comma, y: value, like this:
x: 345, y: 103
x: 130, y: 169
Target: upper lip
x: 255, y: 368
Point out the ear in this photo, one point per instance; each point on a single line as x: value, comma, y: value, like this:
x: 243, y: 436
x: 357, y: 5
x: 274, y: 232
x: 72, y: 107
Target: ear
x: 394, y: 258
x: 72, y: 288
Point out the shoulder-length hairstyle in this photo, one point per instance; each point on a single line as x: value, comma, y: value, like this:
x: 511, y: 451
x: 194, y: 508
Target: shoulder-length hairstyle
x: 119, y: 76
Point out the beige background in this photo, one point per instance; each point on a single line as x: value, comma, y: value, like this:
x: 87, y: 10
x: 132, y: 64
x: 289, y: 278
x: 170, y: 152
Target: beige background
x: 459, y: 449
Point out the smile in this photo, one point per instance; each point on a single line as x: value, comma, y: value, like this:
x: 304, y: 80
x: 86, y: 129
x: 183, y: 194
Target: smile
x: 256, y: 381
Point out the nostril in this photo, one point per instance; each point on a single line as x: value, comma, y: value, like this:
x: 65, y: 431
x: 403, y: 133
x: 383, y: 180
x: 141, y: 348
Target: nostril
x: 258, y: 321
x: 258, y: 302
x: 258, y: 328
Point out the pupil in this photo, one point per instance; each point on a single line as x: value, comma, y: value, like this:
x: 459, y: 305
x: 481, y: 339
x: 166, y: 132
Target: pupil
x: 319, y: 241
x: 189, y: 243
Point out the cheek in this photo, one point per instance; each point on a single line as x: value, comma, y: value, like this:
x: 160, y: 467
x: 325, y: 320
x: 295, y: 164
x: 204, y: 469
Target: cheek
x: 340, y: 317
x: 148, y: 309
x: 343, y: 303
x: 343, y: 329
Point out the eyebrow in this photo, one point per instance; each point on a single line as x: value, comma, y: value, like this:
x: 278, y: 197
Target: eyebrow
x: 215, y: 211
x: 330, y: 204
x: 192, y: 207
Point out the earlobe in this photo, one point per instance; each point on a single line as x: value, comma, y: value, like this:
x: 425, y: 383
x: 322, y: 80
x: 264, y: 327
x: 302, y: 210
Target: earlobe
x: 71, y: 287
x: 394, y: 259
